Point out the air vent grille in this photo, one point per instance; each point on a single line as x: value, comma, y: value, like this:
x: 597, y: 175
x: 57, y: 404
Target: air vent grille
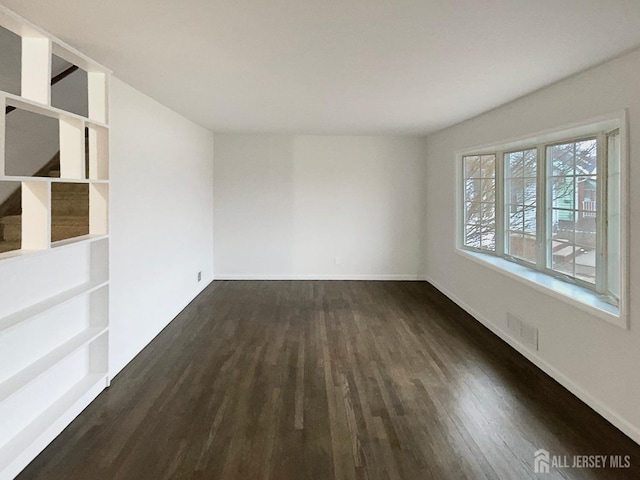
x: 522, y: 331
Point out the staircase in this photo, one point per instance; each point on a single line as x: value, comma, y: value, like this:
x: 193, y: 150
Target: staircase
x: 69, y: 213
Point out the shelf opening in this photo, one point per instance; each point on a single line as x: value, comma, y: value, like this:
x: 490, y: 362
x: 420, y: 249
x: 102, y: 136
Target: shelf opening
x: 32, y: 144
x: 69, y: 87
x: 97, y: 153
x: 10, y: 61
x: 10, y: 216
x: 69, y: 210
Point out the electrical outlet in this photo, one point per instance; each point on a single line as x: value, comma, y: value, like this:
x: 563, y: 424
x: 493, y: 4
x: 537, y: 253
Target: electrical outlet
x: 199, y: 276
x: 338, y: 260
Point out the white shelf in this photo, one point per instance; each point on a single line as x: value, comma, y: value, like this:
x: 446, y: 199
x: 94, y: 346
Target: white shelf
x: 83, y: 239
x: 18, y: 253
x: 91, y: 254
x: 23, y: 103
x: 37, y: 368
x: 39, y: 308
x: 75, y: 240
x: 49, y: 424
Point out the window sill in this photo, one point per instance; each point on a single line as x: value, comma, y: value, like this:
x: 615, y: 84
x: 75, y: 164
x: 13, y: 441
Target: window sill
x: 575, y: 295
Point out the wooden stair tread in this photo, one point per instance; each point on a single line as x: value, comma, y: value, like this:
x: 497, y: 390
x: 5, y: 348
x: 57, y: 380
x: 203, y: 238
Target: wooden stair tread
x: 11, y: 220
x: 69, y: 221
x: 68, y: 195
x: 69, y: 187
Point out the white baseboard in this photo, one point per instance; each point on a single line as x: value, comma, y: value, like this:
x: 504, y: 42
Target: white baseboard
x: 261, y: 276
x: 632, y: 431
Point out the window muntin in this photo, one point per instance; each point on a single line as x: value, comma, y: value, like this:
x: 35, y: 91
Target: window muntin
x: 559, y: 206
x: 480, y: 202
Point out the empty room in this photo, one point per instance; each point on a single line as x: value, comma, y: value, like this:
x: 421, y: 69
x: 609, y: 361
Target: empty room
x: 355, y: 239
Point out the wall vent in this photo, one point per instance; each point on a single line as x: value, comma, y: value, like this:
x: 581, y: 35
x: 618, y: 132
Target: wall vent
x: 522, y: 331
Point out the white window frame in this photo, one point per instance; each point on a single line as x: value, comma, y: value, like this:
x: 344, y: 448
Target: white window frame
x: 584, y: 295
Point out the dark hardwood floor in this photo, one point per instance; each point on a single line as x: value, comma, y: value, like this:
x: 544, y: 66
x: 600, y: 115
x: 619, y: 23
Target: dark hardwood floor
x: 322, y: 380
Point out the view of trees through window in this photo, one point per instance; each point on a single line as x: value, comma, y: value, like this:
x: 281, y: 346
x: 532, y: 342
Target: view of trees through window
x: 571, y: 183
x: 553, y: 206
x: 480, y: 201
x: 521, y: 190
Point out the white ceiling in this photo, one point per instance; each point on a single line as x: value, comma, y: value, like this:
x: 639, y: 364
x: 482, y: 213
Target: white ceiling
x: 339, y: 66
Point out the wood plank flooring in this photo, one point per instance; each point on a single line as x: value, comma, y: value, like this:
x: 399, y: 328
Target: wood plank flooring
x: 328, y: 380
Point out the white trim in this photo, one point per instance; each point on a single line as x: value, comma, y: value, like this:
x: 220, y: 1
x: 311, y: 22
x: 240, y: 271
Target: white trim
x: 592, y: 126
x: 314, y: 276
x: 626, y: 427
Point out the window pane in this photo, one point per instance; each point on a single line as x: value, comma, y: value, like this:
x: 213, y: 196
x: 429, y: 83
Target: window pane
x: 516, y: 217
x: 529, y: 248
x: 489, y: 190
x: 585, y: 264
x: 480, y: 194
x: 530, y: 191
x: 489, y: 237
x: 530, y: 220
x: 515, y: 190
x: 562, y: 254
x: 513, y: 165
x: 586, y: 157
x: 520, y: 198
x: 586, y: 230
x: 563, y: 225
x: 561, y: 159
x: 563, y: 192
x: 489, y: 226
x: 472, y: 166
x: 473, y: 190
x: 488, y: 166
x: 488, y: 213
x: 515, y: 244
x: 573, y: 195
x: 530, y: 162
x: 472, y: 236
x: 586, y: 192
x: 473, y: 213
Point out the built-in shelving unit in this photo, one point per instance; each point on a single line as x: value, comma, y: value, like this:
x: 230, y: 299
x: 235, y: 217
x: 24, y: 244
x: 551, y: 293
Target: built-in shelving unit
x: 54, y: 294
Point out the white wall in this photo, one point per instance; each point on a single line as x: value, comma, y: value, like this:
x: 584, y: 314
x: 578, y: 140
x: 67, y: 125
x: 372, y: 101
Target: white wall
x: 161, y: 218
x: 597, y: 361
x: 285, y: 206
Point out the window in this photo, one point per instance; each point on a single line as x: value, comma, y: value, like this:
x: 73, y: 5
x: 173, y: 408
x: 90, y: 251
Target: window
x: 521, y: 192
x: 552, y: 205
x: 480, y: 201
